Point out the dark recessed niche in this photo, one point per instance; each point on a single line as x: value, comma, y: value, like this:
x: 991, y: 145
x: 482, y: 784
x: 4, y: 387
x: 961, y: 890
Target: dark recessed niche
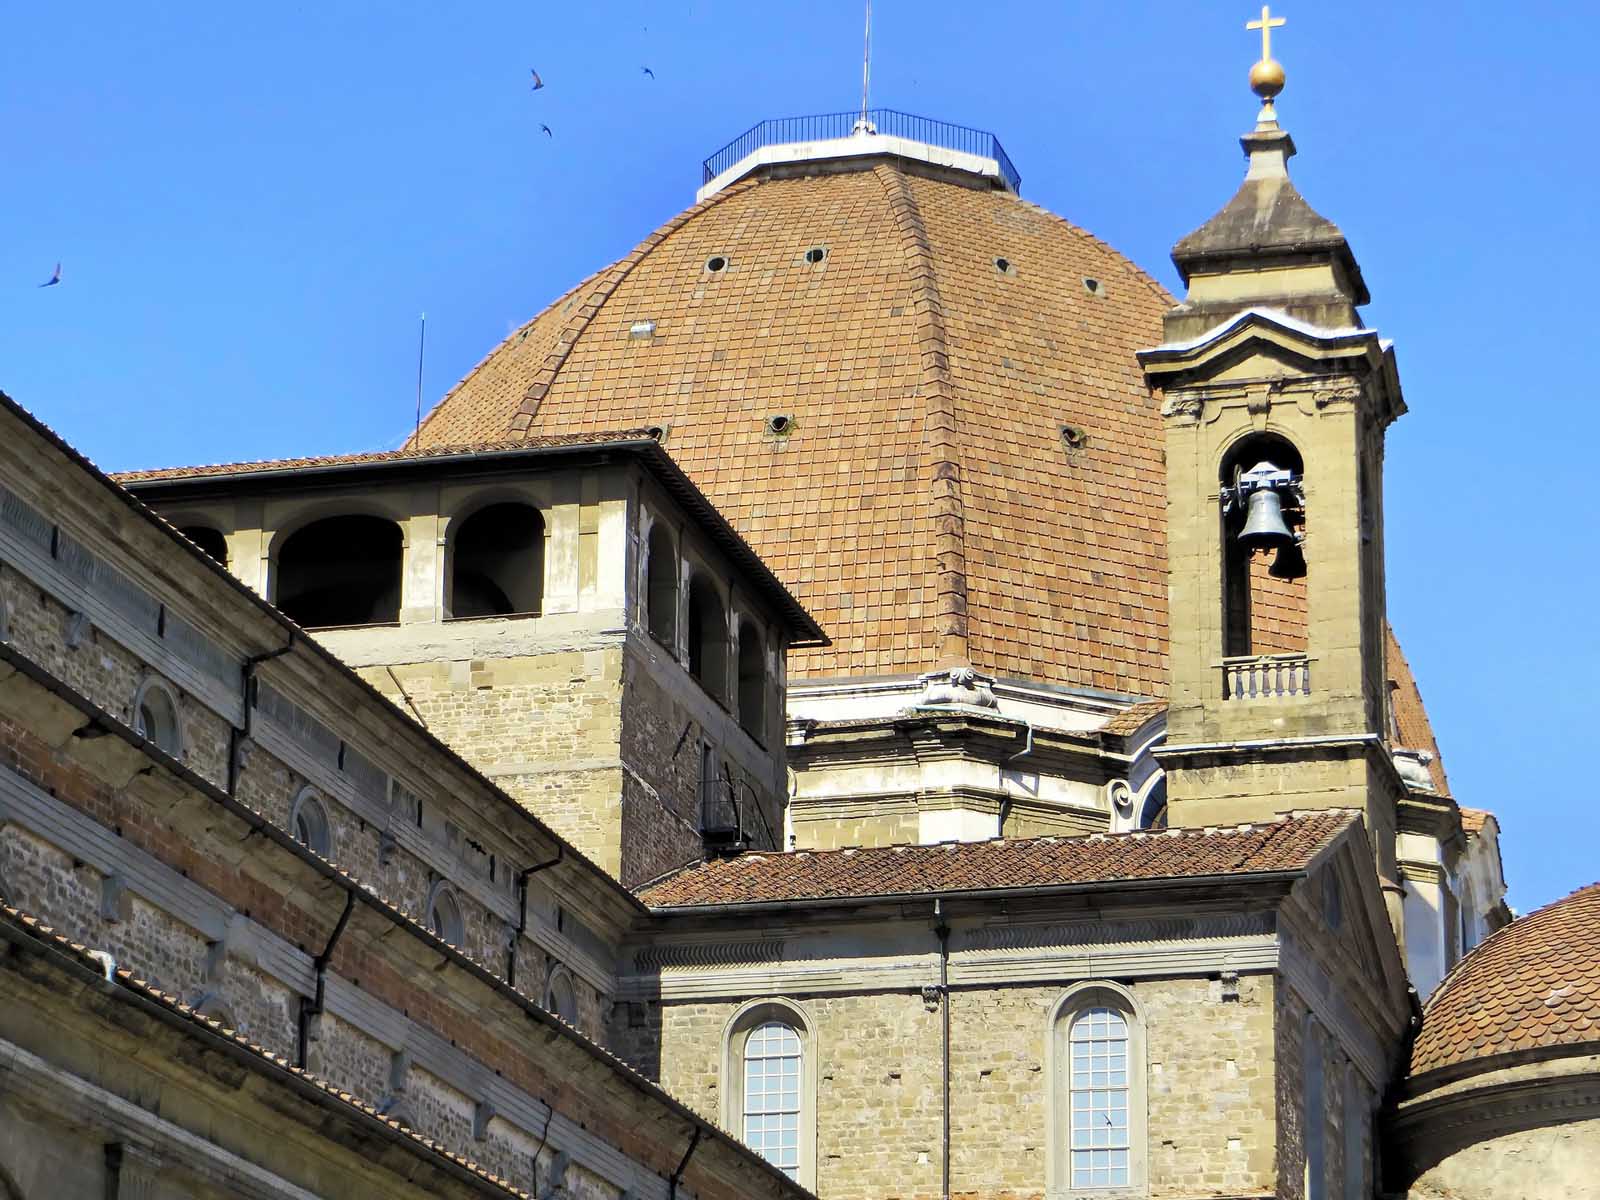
x: 1073, y: 437
x: 1093, y: 286
x: 717, y: 262
x: 1005, y: 266
x: 816, y: 254
x: 780, y: 425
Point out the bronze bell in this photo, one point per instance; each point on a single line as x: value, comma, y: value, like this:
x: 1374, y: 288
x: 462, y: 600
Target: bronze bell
x: 1289, y: 563
x: 1263, y: 522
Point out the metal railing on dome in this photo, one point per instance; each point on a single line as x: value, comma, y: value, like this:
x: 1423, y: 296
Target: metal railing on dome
x: 886, y: 121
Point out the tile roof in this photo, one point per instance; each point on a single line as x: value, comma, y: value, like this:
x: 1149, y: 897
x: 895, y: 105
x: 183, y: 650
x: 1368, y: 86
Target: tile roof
x: 405, y: 454
x: 1132, y: 719
x: 1534, y: 984
x: 925, y: 504
x: 46, y: 936
x: 1473, y: 820
x: 1416, y: 731
x: 1286, y: 844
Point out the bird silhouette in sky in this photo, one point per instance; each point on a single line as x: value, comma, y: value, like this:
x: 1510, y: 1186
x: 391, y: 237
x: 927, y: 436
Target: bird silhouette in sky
x: 547, y: 132
x: 54, y: 279
x: 648, y: 72
x: 537, y: 81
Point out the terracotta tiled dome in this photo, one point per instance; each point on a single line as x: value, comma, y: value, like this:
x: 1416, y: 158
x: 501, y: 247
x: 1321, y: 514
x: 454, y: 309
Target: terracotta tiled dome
x: 972, y: 465
x: 1533, y: 985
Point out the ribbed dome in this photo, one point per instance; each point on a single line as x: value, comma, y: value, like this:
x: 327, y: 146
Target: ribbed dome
x: 1534, y: 985
x: 925, y: 504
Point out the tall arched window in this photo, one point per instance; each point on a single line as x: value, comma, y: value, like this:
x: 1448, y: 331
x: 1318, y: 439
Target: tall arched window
x: 1097, y: 1099
x: 497, y: 562
x: 209, y: 540
x: 155, y: 716
x: 708, y: 637
x: 661, y: 587
x: 769, y: 1092
x: 752, y: 682
x: 341, y: 571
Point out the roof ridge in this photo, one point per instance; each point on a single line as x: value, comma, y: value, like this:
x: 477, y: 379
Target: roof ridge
x: 615, y: 275
x: 939, y: 430
x: 524, y: 329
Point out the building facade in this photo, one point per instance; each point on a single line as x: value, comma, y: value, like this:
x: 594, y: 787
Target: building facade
x: 868, y: 696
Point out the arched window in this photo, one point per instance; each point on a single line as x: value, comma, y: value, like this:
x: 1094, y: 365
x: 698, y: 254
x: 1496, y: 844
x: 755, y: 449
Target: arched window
x: 708, y: 637
x: 1097, y: 1097
x: 208, y: 540
x: 308, y: 822
x: 497, y: 562
x: 1315, y: 1113
x: 341, y: 571
x: 561, y: 997
x: 752, y: 682
x: 444, y: 915
x: 769, y: 1095
x: 661, y: 587
x: 1153, y: 812
x: 155, y: 716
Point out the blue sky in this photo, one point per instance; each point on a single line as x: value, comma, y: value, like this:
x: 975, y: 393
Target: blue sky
x: 251, y: 206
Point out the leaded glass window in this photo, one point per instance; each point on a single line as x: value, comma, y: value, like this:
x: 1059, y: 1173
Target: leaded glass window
x: 772, y: 1095
x: 1098, y: 1062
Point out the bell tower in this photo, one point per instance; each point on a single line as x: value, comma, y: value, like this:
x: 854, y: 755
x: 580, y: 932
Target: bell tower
x: 1275, y: 400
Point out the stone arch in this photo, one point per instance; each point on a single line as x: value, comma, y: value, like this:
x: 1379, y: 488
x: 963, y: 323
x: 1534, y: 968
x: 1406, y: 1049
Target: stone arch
x: 496, y: 557
x: 340, y: 569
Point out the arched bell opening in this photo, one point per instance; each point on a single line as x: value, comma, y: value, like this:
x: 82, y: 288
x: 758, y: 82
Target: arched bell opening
x: 497, y: 562
x: 341, y: 571
x: 1263, y: 562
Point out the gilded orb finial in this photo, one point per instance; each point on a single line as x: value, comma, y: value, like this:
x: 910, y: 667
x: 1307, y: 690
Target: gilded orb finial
x: 1266, y: 76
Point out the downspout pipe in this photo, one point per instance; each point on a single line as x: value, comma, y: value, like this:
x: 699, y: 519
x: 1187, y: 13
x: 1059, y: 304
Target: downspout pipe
x: 237, y: 735
x: 942, y: 928
x: 314, y: 1007
x: 522, y: 908
x: 677, y: 1176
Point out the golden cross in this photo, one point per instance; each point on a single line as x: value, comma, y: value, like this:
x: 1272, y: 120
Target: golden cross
x: 1267, y: 24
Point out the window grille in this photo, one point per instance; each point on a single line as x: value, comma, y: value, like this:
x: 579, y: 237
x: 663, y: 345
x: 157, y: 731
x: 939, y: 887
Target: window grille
x: 772, y: 1095
x: 1101, y: 1147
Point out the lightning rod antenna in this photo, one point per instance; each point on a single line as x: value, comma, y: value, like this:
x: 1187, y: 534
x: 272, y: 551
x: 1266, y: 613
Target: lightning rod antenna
x: 422, y: 342
x: 866, y: 64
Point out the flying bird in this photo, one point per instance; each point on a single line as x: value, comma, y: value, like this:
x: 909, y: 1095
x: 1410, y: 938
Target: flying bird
x: 54, y: 279
x: 648, y: 72
x: 537, y: 81
x: 547, y: 132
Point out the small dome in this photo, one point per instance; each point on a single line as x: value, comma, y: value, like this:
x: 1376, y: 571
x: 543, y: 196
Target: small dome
x: 1534, y: 985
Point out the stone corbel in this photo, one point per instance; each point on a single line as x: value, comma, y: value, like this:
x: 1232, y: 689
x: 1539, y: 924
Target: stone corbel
x: 1184, y: 408
x: 958, y: 685
x: 1337, y: 395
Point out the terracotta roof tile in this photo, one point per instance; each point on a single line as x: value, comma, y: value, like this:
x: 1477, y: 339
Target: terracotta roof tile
x: 1474, y: 819
x: 1285, y: 844
x: 405, y: 454
x: 1534, y: 984
x: 1132, y: 719
x: 1416, y: 731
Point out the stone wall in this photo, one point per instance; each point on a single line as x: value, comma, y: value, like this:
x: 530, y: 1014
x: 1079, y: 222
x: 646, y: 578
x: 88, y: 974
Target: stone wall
x: 1210, y: 1085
